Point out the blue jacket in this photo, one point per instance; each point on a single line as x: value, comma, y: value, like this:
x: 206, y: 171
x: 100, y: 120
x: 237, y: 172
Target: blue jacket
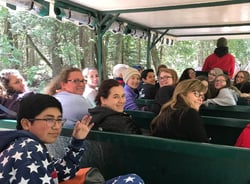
x: 25, y: 159
x: 131, y: 97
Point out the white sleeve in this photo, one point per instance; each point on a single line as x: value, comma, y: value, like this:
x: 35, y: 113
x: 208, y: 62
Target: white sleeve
x: 224, y: 98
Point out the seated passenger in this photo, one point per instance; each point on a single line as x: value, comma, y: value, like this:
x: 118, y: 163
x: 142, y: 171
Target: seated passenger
x: 226, y: 96
x: 108, y: 115
x: 212, y: 74
x: 167, y: 79
x: 241, y: 81
x: 131, y: 78
x: 188, y: 73
x: 15, y: 88
x: 244, y: 138
x: 2, y: 90
x: 39, y: 122
x: 91, y: 87
x: 148, y: 89
x: 68, y: 88
x: 140, y: 70
x: 24, y: 153
x: 118, y: 72
x: 179, y: 118
x: 159, y: 67
x: 204, y: 81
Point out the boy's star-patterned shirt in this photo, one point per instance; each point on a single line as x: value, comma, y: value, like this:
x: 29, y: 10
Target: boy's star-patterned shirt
x: 26, y: 160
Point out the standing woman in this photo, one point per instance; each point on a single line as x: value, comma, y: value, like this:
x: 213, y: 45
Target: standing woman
x: 179, y: 118
x: 108, y: 114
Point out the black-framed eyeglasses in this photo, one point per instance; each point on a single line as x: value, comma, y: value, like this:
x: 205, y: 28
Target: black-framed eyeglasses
x: 51, y: 121
x: 198, y: 94
x: 78, y: 81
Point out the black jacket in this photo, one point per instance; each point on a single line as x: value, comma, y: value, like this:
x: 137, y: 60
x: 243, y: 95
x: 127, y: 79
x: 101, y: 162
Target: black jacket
x: 106, y: 119
x: 163, y: 95
x: 148, y: 91
x: 244, y: 87
x: 183, y: 124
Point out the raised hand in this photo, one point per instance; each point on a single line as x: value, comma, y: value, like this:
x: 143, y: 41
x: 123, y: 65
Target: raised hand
x: 83, y: 127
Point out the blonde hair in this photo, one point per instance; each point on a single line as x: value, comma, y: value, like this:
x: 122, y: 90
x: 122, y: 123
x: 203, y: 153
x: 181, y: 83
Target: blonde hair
x: 181, y: 90
x: 170, y: 71
x: 178, y: 101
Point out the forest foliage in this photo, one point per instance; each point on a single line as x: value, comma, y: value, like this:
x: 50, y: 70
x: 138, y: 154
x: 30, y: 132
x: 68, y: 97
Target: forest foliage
x: 39, y: 47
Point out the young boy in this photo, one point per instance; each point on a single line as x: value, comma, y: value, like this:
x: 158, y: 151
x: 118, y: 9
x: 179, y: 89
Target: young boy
x: 24, y: 157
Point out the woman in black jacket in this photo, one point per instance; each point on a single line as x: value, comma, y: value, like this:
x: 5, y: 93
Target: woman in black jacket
x: 108, y: 115
x: 179, y: 118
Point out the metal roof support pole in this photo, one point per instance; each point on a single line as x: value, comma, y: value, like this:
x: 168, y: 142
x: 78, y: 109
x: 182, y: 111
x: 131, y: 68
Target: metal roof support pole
x: 156, y: 39
x: 99, y: 53
x: 102, y: 26
x: 51, y: 8
x: 148, y: 50
x: 150, y: 45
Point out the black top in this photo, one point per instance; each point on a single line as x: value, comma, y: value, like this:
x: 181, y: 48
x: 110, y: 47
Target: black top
x: 244, y: 87
x: 106, y: 119
x: 12, y: 103
x: 184, y: 124
x: 163, y: 95
x: 148, y: 91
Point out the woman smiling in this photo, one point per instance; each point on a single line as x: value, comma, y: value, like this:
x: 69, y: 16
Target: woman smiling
x: 179, y: 118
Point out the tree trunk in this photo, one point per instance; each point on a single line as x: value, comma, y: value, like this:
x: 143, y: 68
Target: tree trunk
x: 57, y: 62
x: 155, y: 57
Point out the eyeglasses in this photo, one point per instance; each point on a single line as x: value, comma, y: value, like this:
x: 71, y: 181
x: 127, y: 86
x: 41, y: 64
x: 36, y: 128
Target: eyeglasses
x: 51, y: 121
x: 198, y: 94
x: 78, y: 81
x: 213, y: 74
x: 165, y: 77
x: 220, y: 81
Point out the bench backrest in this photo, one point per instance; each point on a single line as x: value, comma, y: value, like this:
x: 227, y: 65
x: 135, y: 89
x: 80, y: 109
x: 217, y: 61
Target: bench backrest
x: 159, y: 160
x: 238, y: 111
x: 142, y: 118
x: 243, y: 101
x: 222, y: 130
